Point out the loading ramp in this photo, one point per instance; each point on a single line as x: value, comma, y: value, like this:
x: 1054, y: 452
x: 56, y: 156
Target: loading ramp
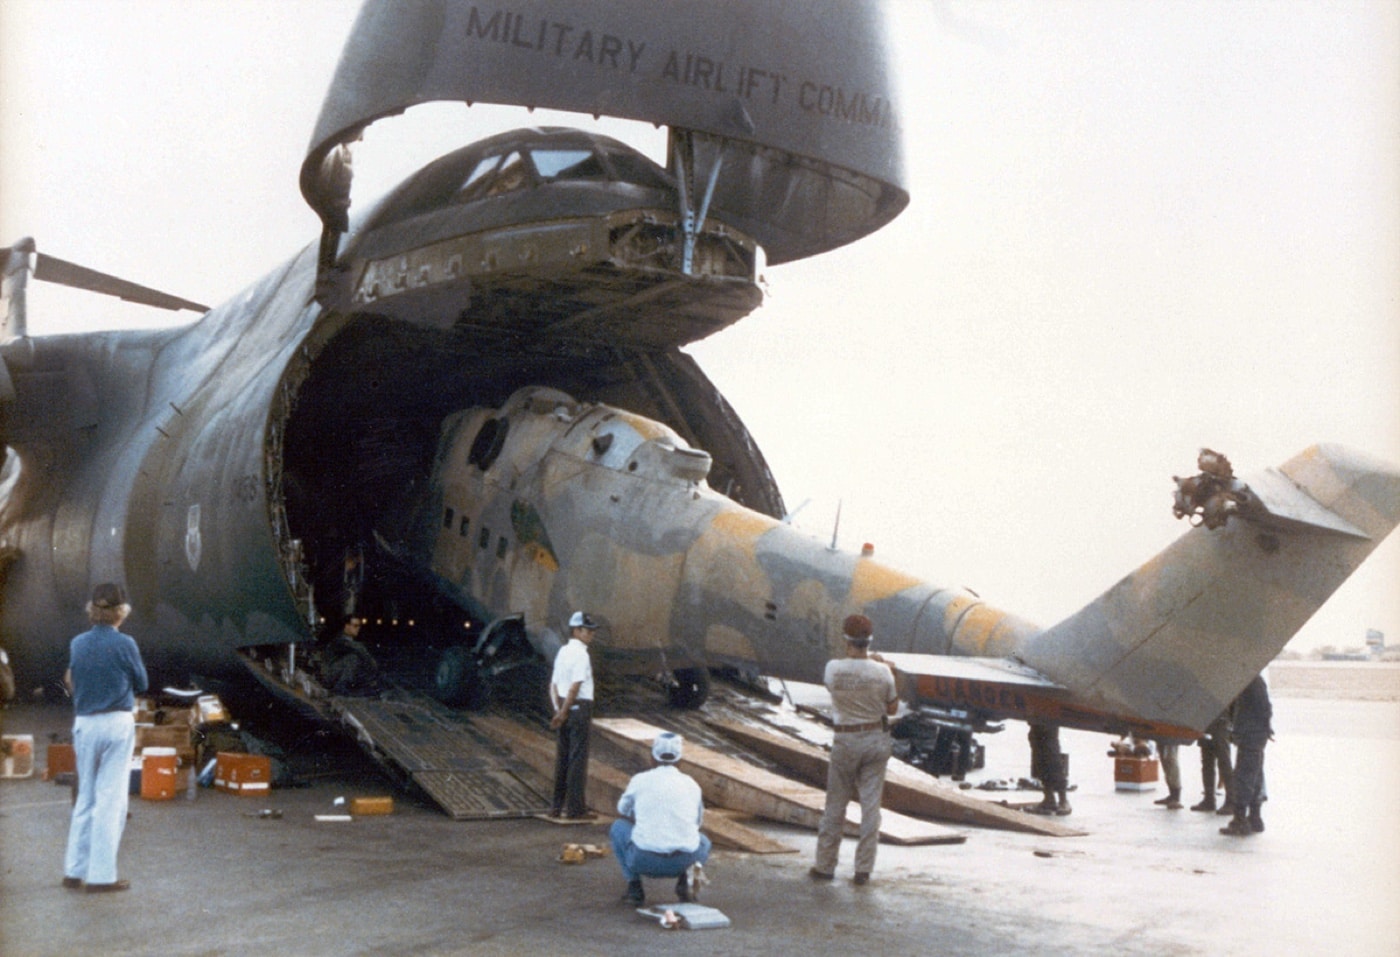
x: 456, y: 763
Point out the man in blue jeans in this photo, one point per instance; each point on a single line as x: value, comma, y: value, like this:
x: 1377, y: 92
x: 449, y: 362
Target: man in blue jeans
x: 105, y: 673
x: 657, y: 833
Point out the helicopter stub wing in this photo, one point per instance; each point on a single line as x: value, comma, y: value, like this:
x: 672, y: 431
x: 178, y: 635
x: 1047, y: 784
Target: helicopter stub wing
x: 789, y: 105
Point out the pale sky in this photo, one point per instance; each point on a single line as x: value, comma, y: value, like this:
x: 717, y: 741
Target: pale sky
x: 1136, y: 230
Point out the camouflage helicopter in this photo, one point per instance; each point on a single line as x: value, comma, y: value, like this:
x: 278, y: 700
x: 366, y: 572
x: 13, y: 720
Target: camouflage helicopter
x: 474, y: 388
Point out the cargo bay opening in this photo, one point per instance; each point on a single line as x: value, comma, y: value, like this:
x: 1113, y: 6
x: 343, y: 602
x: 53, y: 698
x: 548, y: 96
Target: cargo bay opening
x: 358, y: 434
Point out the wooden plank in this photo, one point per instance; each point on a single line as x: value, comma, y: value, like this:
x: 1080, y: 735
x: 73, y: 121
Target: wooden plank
x: 732, y: 783
x: 907, y: 790
x: 606, y: 784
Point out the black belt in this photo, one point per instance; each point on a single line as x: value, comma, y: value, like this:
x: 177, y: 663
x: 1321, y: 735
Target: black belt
x: 853, y: 728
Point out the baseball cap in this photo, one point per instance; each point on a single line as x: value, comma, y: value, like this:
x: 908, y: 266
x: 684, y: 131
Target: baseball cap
x: 858, y: 629
x: 667, y: 748
x: 581, y: 619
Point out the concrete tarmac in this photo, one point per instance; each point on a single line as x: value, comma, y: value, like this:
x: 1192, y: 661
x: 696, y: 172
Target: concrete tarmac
x: 211, y: 878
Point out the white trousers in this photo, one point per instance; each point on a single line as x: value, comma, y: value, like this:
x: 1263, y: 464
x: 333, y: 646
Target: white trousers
x: 102, y: 746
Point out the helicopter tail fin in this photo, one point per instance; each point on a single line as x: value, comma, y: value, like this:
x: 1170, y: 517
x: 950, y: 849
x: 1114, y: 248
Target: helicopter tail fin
x: 1176, y: 640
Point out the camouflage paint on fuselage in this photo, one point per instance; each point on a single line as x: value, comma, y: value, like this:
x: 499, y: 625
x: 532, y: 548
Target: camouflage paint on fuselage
x: 679, y: 575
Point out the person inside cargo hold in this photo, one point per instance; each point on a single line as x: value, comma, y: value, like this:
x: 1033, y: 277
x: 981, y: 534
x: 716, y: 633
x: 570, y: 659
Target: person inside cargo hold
x: 347, y: 665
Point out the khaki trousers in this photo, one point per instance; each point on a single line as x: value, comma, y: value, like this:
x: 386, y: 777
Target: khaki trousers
x: 857, y: 770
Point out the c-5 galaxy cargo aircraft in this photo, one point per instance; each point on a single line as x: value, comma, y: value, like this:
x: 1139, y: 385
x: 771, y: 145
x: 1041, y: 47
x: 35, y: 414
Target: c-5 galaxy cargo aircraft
x: 467, y: 404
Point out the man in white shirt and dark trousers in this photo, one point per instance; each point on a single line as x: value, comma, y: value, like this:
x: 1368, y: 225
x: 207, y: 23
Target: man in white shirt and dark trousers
x: 571, y: 694
x: 657, y: 833
x: 863, y: 697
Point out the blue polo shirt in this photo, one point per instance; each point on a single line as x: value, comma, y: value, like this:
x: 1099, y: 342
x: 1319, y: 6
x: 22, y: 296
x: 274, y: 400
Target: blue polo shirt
x: 107, y: 671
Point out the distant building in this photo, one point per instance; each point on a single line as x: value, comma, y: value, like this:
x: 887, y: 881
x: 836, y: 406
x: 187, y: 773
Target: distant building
x: 1373, y: 651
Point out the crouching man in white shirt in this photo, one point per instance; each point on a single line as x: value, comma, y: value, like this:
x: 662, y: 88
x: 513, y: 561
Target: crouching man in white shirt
x: 657, y: 833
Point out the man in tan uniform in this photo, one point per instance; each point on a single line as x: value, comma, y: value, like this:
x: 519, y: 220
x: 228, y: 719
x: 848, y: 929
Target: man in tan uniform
x: 863, y: 696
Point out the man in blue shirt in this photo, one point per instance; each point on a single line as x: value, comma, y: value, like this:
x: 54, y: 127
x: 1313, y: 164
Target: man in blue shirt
x: 105, y: 673
x: 657, y: 833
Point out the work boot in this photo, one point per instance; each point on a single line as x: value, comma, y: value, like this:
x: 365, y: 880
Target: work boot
x: 635, y: 894
x: 1063, y: 809
x: 1256, y: 822
x: 683, y: 888
x: 1238, y: 827
x: 862, y: 878
x: 1046, y: 806
x: 1172, y: 802
x: 1207, y: 804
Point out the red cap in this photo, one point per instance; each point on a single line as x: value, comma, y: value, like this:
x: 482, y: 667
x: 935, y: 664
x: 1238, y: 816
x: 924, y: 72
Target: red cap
x: 857, y: 628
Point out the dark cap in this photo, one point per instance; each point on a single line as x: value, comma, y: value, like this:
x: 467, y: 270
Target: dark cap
x: 858, y: 629
x: 108, y: 595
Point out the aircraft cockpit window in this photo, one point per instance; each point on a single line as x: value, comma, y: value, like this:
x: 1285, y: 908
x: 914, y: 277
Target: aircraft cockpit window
x: 481, y: 169
x: 632, y: 168
x: 614, y: 442
x: 567, y: 164
x: 496, y: 175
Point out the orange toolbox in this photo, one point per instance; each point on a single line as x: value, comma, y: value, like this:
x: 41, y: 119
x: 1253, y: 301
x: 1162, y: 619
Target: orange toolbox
x: 245, y: 774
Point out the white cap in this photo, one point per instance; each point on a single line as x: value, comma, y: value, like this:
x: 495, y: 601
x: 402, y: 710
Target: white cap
x: 667, y: 748
x: 581, y: 619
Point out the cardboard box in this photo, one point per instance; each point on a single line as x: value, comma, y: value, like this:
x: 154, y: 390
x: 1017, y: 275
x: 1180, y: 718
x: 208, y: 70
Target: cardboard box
x: 371, y: 805
x: 177, y: 736
x: 61, y: 759
x: 18, y: 760
x: 244, y: 774
x: 210, y: 710
x: 1134, y: 774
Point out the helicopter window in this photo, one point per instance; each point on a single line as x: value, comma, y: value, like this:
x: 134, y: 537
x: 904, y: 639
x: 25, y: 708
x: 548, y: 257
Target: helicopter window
x: 447, y: 518
x: 567, y: 164
x: 614, y: 443
x: 501, y: 547
x: 484, y: 539
x: 488, y: 443
x: 466, y: 526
